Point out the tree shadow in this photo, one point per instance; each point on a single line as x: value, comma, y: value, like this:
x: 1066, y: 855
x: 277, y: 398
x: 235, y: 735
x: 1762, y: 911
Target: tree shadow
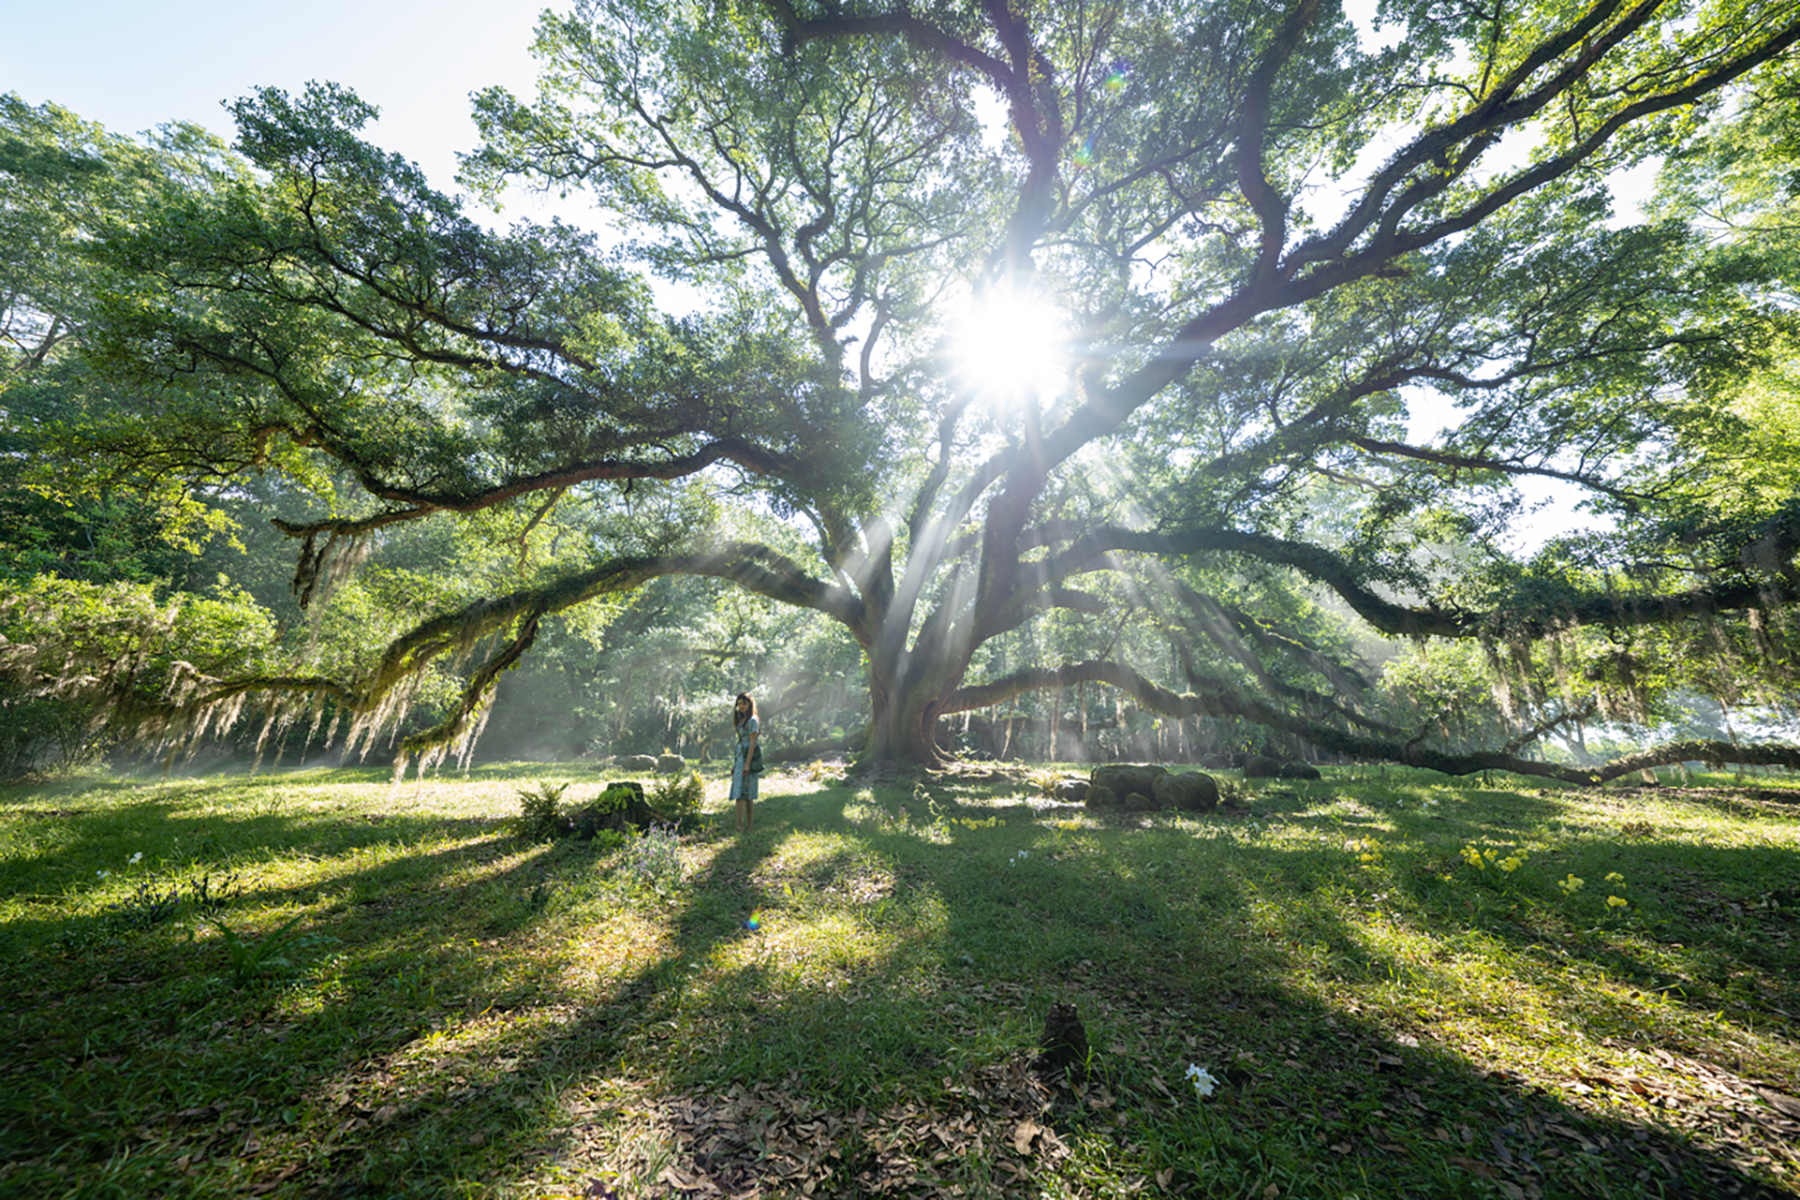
x: 901, y: 970
x: 923, y: 1018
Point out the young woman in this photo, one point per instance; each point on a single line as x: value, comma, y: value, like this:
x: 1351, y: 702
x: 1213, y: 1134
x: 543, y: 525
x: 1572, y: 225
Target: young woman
x: 744, y: 781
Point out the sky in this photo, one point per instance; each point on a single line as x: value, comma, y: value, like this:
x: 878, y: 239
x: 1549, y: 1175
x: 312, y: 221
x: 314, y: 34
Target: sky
x: 135, y: 65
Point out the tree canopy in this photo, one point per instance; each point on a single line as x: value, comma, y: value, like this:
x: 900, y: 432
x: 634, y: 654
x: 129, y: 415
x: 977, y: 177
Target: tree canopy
x: 1054, y: 316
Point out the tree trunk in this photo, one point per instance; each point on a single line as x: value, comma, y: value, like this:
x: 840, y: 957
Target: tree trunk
x: 903, y: 726
x: 1081, y: 702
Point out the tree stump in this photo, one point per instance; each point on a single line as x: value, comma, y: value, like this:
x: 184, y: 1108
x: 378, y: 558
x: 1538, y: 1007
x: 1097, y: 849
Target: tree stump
x: 1064, y: 1044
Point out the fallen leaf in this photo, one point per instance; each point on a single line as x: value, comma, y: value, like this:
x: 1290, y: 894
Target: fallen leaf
x: 1165, y: 1176
x: 1572, y: 1135
x: 1781, y: 1102
x: 1023, y: 1134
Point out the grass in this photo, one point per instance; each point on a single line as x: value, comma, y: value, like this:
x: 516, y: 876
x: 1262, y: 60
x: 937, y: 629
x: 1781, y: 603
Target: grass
x: 382, y: 992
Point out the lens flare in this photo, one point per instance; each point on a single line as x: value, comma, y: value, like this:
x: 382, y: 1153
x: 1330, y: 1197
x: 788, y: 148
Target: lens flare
x: 1084, y: 157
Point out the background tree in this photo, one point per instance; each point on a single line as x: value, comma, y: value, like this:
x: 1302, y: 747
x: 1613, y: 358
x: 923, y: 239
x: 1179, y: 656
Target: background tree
x: 1224, y: 309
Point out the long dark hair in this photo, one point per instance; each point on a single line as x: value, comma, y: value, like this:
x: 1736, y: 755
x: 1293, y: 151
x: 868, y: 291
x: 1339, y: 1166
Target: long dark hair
x: 737, y: 720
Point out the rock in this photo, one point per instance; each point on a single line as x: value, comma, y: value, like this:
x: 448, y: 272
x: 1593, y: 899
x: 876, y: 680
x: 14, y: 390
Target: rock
x: 1072, y: 791
x: 1099, y: 797
x: 1124, y: 778
x: 1138, y: 802
x: 1191, y: 791
x: 1299, y: 771
x: 645, y: 763
x: 1259, y: 767
x: 671, y: 764
x: 1216, y: 762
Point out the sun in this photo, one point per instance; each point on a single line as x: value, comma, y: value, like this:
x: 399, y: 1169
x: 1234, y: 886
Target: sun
x: 1011, y: 345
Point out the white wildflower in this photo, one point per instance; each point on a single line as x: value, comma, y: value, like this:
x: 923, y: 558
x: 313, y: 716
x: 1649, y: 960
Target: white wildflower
x: 1204, y: 1083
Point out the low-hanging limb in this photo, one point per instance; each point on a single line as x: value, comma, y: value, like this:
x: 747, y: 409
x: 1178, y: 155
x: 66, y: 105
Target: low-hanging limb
x: 381, y: 697
x: 1224, y: 703
x: 468, y: 716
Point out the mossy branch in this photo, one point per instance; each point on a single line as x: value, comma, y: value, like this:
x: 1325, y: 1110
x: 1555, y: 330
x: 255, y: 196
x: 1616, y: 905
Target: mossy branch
x: 1225, y: 703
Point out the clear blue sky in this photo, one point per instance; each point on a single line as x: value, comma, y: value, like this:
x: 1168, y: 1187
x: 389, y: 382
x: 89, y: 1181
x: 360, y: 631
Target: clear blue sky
x: 132, y: 66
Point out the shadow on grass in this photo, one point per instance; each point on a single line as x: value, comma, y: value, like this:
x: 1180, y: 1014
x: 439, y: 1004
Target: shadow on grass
x: 892, y: 955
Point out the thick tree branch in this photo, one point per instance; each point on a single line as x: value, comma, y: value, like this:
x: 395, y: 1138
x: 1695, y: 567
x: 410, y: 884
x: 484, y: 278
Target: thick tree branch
x: 1604, y: 610
x: 1226, y: 704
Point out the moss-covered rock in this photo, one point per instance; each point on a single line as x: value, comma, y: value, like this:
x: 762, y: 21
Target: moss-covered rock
x: 1190, y: 791
x: 1125, y: 778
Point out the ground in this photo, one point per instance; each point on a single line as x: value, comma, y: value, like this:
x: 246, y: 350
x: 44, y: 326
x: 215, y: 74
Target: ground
x: 314, y: 983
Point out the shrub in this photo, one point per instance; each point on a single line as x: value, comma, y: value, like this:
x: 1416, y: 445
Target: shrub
x: 46, y: 734
x: 679, y: 797
x: 540, y: 813
x: 616, y: 797
x: 1234, y: 791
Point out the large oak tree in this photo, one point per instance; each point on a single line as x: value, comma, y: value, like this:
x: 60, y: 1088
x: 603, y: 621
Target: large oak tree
x: 1231, y: 245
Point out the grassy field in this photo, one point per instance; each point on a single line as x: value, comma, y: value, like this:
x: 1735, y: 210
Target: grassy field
x: 315, y: 984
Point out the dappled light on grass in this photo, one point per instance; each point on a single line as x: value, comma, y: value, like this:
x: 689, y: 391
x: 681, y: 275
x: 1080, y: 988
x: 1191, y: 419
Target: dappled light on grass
x: 497, y: 1017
